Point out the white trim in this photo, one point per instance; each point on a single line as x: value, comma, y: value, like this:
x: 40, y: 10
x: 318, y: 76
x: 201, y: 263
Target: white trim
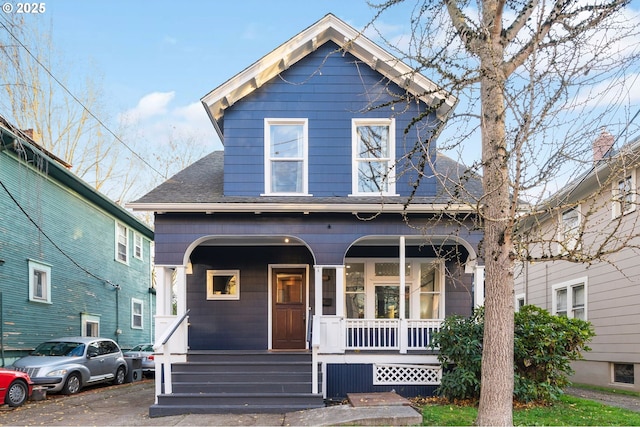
x: 282, y: 207
x: 138, y: 242
x: 89, y: 318
x: 270, y: 268
x: 566, y: 240
x: 268, y: 123
x: 616, y: 211
x: 519, y: 297
x: 211, y: 295
x: 46, y: 270
x: 390, y: 159
x: 135, y: 301
x: 568, y: 285
x: 118, y: 224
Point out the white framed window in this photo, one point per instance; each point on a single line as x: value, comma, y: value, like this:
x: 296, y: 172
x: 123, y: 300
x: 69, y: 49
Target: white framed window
x: 122, y: 243
x: 137, y: 246
x: 39, y: 282
x: 90, y: 325
x: 624, y: 195
x: 569, y: 233
x: 136, y: 313
x: 223, y: 284
x: 372, y: 288
x: 373, y: 151
x: 285, y: 153
x: 521, y: 300
x: 623, y: 373
x: 570, y: 299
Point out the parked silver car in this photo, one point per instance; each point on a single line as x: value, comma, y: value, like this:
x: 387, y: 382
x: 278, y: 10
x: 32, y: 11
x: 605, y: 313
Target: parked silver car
x: 68, y: 364
x: 145, y: 353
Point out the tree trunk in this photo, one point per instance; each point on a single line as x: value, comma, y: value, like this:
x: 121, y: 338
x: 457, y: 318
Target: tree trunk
x: 496, y: 393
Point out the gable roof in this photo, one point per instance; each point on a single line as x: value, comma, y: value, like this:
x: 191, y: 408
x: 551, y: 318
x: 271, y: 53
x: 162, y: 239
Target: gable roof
x: 329, y: 28
x: 199, y: 188
x: 25, y: 148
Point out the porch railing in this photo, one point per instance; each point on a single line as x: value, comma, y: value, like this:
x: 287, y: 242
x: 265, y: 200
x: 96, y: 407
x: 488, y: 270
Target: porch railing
x: 389, y: 334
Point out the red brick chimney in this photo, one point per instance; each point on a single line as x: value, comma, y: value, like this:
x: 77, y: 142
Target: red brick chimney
x: 602, y: 145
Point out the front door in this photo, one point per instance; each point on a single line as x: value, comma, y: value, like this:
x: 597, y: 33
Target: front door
x: 289, y: 311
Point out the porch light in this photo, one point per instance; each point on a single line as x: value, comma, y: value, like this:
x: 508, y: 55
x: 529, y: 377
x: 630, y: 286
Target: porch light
x: 286, y: 240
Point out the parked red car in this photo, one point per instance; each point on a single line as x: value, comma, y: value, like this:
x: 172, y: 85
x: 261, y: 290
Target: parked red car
x: 15, y: 387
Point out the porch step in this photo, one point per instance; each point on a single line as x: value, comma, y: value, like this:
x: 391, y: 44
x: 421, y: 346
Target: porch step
x: 239, y: 382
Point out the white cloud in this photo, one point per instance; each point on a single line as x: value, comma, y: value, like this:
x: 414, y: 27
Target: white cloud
x: 153, y: 104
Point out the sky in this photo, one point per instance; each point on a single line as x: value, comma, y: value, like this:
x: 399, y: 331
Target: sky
x: 156, y: 59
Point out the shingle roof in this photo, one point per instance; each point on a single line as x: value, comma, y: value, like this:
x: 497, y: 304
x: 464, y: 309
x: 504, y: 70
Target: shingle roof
x: 203, y: 182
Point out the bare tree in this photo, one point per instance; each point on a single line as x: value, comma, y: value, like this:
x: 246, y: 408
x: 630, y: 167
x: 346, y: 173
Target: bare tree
x: 536, y: 81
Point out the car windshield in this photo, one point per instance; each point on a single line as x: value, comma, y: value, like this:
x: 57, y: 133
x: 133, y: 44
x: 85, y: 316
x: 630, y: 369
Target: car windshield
x: 57, y: 348
x: 143, y: 347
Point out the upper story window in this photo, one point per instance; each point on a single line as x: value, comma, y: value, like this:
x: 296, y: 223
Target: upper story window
x: 39, y: 282
x: 137, y: 246
x: 569, y: 234
x: 624, y: 195
x: 122, y: 243
x: 373, y: 156
x: 570, y: 299
x: 286, y: 143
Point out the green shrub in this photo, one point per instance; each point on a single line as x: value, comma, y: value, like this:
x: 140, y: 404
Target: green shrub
x: 544, y: 347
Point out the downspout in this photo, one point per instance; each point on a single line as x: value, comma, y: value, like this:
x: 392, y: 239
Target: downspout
x: 1, y: 329
x: 118, y: 331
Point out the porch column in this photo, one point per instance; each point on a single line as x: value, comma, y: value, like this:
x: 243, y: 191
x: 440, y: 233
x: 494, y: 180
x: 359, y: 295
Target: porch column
x: 340, y: 290
x: 478, y: 286
x: 402, y: 302
x: 181, y: 290
x: 318, y: 290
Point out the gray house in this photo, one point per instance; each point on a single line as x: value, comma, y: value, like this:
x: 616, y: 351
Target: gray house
x: 304, y: 259
x: 72, y: 262
x: 599, y: 213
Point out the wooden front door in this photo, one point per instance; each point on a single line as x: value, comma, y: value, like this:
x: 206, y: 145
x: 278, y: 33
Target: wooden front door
x: 289, y: 310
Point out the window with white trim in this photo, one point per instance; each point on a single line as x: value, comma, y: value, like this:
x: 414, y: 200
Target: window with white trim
x: 372, y: 289
x: 285, y: 156
x: 569, y: 234
x: 521, y: 300
x: 624, y: 195
x: 39, y: 282
x: 223, y: 284
x: 136, y: 313
x: 570, y: 299
x: 122, y: 243
x: 137, y: 246
x: 373, y: 145
x: 90, y: 325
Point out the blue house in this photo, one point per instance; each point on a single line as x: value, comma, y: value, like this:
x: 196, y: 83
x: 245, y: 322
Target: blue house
x: 305, y: 260
x: 72, y: 262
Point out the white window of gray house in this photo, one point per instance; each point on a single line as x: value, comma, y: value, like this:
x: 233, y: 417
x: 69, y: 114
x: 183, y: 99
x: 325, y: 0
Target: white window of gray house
x: 39, y: 282
x: 223, y: 284
x: 90, y: 325
x: 430, y: 291
x: 373, y: 148
x: 137, y: 246
x: 136, y: 313
x: 520, y: 301
x: 122, y: 243
x: 570, y: 299
x: 570, y: 230
x: 286, y: 156
x: 624, y: 195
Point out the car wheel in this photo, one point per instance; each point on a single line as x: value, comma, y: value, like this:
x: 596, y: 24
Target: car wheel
x: 17, y: 393
x: 120, y: 375
x: 73, y: 384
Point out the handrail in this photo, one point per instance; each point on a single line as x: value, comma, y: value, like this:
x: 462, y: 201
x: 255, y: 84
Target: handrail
x: 165, y: 337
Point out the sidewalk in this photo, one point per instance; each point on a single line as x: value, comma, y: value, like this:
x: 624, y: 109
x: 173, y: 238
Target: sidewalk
x: 128, y: 405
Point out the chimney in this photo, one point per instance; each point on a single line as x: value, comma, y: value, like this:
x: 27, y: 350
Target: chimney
x: 602, y: 145
x: 33, y: 135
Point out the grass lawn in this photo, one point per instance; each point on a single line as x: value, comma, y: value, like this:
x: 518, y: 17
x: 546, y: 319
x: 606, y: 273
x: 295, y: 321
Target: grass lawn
x: 568, y: 411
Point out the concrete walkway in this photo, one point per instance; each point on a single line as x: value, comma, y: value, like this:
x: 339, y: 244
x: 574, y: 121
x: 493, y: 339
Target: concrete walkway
x: 128, y: 405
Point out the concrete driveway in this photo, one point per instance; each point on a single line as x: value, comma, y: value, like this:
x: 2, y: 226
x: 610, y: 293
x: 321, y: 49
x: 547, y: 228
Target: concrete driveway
x: 128, y: 405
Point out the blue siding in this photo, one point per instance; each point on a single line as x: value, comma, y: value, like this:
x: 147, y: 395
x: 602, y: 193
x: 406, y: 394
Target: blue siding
x: 330, y: 90
x: 358, y: 378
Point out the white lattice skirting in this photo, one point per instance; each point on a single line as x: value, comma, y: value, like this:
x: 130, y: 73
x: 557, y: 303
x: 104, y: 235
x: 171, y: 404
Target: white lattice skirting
x: 406, y: 374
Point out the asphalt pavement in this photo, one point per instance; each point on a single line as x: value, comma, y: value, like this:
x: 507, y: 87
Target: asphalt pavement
x: 128, y: 405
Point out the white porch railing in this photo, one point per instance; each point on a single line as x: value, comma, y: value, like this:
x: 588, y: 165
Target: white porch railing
x: 376, y: 334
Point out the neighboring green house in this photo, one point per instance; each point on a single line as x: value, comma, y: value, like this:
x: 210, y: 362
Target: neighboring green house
x: 72, y: 262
